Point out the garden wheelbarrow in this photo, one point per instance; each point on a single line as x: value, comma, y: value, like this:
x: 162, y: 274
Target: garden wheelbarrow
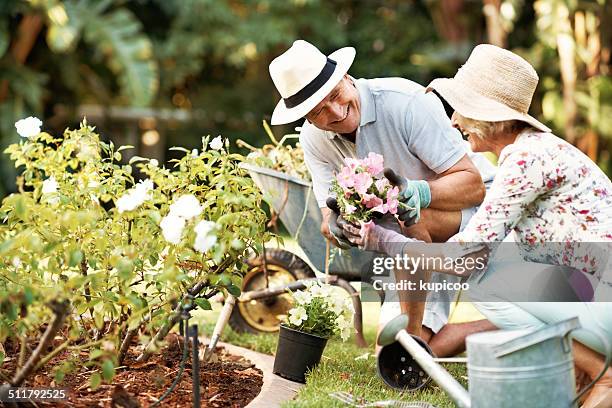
x: 265, y: 295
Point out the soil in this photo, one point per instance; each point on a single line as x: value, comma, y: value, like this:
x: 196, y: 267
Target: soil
x: 226, y: 381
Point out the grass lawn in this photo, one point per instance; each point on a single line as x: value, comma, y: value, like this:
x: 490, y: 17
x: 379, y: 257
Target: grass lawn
x: 345, y: 367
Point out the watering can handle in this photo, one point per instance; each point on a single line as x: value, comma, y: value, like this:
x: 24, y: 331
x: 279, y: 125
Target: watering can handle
x: 559, y: 329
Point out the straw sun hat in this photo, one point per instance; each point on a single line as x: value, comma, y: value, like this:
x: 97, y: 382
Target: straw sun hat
x: 304, y: 76
x: 493, y: 85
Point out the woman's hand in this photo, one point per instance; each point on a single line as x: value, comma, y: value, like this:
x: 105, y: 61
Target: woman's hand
x: 372, y: 235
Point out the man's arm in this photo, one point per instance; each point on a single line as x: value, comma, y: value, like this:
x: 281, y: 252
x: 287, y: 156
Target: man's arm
x: 458, y: 187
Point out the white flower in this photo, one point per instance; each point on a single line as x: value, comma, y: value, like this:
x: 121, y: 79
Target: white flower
x: 172, y: 228
x: 216, y: 143
x: 186, y: 206
x: 302, y: 297
x: 194, y: 153
x: 49, y: 186
x: 205, y: 236
x: 154, y: 162
x: 134, y: 197
x: 321, y: 290
x: 337, y: 305
x: 342, y: 322
x: 345, y: 334
x: 28, y: 127
x: 297, y: 315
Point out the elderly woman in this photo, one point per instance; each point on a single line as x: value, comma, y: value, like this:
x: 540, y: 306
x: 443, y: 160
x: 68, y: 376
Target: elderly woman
x: 545, y: 191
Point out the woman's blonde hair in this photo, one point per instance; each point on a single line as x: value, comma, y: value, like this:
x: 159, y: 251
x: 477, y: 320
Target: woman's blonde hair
x: 483, y: 129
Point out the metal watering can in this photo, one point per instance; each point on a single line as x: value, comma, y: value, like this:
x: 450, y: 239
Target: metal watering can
x: 506, y: 368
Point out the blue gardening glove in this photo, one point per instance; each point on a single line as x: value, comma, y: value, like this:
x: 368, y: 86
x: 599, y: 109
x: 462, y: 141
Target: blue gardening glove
x: 335, y: 224
x: 416, y: 194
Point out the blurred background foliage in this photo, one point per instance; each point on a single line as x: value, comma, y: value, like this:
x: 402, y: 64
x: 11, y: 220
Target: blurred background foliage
x: 158, y: 73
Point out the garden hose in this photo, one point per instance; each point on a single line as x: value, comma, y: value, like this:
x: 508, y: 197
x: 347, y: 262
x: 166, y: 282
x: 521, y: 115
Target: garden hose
x: 185, y: 317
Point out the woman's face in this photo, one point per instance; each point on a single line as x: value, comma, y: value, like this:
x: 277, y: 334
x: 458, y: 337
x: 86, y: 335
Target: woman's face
x: 476, y: 143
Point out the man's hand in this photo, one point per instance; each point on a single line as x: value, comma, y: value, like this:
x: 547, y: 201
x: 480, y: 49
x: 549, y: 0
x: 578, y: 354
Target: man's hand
x: 335, y: 222
x: 415, y: 194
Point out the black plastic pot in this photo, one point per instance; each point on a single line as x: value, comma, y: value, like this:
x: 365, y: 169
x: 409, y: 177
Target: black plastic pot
x: 296, y: 353
x: 398, y: 369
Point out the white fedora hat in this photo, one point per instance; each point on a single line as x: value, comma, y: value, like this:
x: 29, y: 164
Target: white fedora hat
x: 493, y: 85
x: 304, y: 76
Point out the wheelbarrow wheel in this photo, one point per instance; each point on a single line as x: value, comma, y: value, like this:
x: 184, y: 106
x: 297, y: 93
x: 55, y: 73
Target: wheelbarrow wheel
x: 264, y: 315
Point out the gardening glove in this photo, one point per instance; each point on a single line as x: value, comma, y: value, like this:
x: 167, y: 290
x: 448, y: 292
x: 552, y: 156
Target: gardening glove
x: 415, y: 194
x: 382, y: 235
x: 335, y: 223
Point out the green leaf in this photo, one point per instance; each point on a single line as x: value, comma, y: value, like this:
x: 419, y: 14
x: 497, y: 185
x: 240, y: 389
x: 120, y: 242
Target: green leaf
x: 76, y: 257
x: 234, y: 290
x: 108, y: 370
x: 59, y: 375
x: 204, y: 304
x: 20, y: 207
x: 119, y: 36
x: 5, y: 36
x: 95, y: 353
x: 1, y: 357
x: 125, y: 268
x: 95, y: 380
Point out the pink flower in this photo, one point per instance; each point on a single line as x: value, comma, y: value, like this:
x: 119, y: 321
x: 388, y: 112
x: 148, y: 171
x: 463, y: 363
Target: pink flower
x: 346, y: 178
x: 352, y: 163
x: 382, y: 208
x: 350, y: 209
x: 362, y: 182
x: 392, y: 201
x: 371, y: 201
x: 374, y: 163
x: 381, y: 184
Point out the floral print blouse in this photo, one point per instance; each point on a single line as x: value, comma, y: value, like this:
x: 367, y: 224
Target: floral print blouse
x: 548, y: 191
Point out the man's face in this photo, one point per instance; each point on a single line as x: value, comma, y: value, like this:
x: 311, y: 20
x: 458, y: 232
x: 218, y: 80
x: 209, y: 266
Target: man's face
x: 339, y: 111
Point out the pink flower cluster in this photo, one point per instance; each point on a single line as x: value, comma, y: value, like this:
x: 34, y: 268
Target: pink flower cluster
x: 360, y: 191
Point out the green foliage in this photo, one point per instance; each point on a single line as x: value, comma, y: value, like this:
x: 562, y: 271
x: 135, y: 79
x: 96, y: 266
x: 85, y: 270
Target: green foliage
x: 68, y: 235
x: 117, y: 35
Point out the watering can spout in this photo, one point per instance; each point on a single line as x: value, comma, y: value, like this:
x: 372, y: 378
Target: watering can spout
x: 395, y: 331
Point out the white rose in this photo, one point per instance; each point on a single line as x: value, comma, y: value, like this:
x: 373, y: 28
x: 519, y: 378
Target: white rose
x: 172, y: 228
x: 134, y: 197
x: 49, y: 186
x: 186, y: 206
x: 28, y: 127
x: 205, y: 236
x: 216, y: 143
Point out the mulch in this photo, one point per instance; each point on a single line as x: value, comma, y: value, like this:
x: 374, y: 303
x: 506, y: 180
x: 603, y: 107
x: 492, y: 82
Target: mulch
x: 226, y: 381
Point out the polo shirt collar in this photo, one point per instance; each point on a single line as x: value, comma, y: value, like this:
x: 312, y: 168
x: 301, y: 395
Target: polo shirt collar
x: 366, y: 102
x: 366, y: 99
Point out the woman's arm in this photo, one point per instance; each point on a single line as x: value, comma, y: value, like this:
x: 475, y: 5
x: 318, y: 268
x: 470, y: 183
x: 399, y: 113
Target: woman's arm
x: 520, y: 180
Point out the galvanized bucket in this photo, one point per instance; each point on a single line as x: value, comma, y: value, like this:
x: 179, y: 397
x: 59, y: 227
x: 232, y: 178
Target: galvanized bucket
x: 293, y: 200
x: 523, y: 368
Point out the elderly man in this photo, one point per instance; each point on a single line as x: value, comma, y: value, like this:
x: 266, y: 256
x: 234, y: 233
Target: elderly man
x: 393, y: 117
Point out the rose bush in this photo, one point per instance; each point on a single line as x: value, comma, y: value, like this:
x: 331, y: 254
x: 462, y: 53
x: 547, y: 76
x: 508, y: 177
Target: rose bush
x: 107, y: 258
